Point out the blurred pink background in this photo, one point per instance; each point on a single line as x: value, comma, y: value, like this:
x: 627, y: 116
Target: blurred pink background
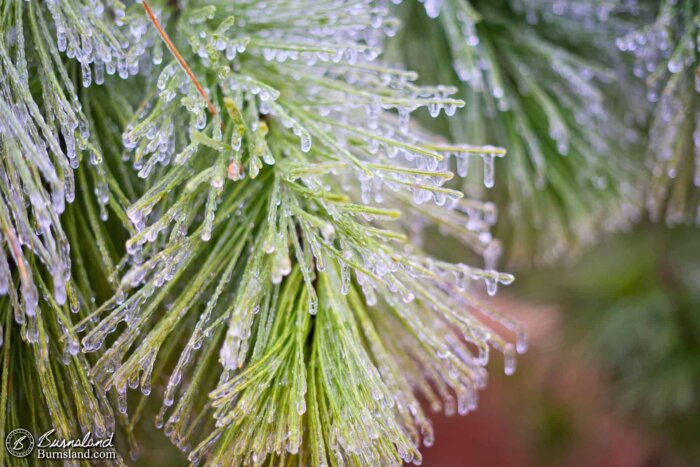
x: 552, y: 412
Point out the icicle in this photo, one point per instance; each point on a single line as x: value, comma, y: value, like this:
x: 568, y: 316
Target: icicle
x: 305, y: 140
x: 86, y: 75
x: 462, y: 164
x: 121, y: 398
x: 432, y: 9
x: 491, y: 285
x: 509, y: 359
x: 404, y: 119
x: 521, y: 341
x: 488, y: 160
x: 328, y: 232
x: 209, y: 215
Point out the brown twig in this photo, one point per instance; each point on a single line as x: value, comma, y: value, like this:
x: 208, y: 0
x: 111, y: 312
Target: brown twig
x: 178, y: 57
x: 16, y: 253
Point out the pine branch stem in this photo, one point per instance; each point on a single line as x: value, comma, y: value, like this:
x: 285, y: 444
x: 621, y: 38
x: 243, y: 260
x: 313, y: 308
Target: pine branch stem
x: 178, y: 57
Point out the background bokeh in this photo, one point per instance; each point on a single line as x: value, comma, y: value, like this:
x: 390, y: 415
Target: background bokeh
x: 612, y: 376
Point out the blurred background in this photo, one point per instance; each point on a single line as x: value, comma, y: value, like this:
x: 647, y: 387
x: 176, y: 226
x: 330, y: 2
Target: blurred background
x: 612, y: 376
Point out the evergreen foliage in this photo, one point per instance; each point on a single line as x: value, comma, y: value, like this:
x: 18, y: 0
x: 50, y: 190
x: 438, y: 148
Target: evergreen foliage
x: 637, y: 316
x: 230, y: 205
x: 539, y: 78
x: 666, y: 50
x: 271, y: 283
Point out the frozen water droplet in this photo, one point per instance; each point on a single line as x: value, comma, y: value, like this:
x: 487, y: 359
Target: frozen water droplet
x: 491, y: 285
x: 509, y: 359
x: 521, y: 341
x: 488, y: 160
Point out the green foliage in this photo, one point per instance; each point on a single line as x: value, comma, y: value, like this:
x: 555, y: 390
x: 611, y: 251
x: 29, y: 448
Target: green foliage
x: 667, y: 55
x: 539, y: 84
x: 53, y: 222
x: 239, y: 224
x: 280, y: 311
x: 638, y: 315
